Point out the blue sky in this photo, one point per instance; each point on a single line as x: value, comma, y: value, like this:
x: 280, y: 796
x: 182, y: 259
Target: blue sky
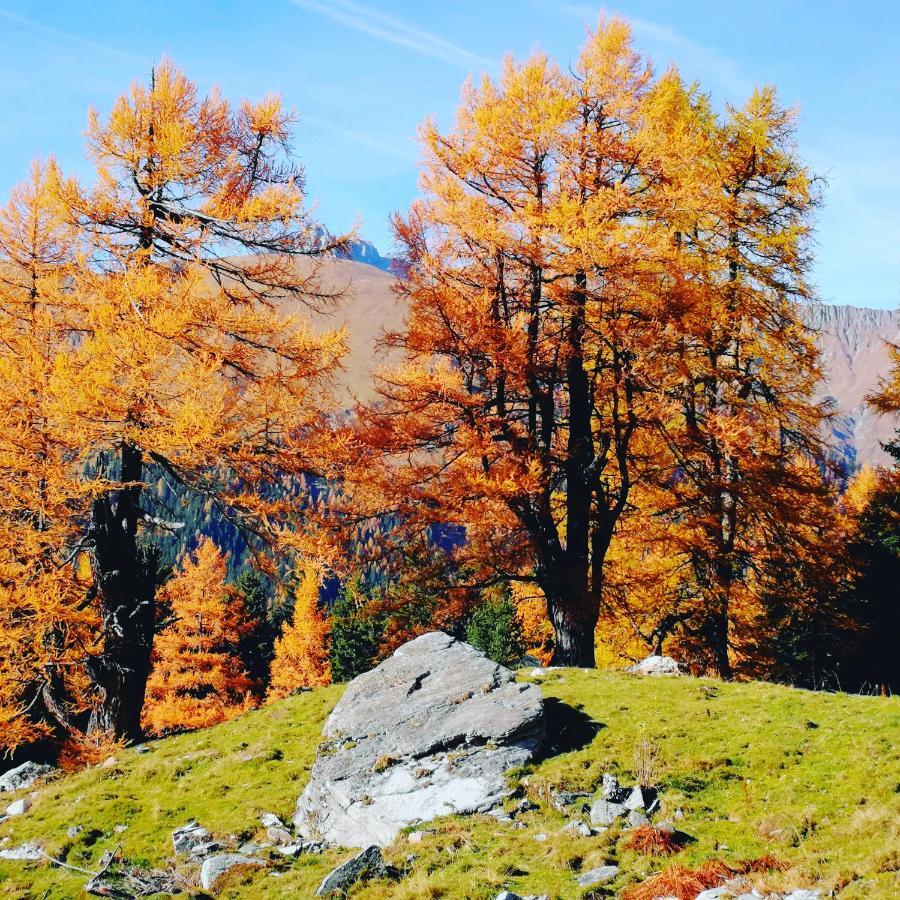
x: 362, y: 75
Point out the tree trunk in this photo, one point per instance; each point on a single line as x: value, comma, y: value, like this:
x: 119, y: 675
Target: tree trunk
x: 126, y: 585
x: 573, y: 611
x: 719, y: 640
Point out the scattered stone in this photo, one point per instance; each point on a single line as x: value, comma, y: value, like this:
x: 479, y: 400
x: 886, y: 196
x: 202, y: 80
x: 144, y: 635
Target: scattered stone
x: 636, y: 818
x: 641, y: 798
x: 74, y: 830
x: 27, y: 851
x: 18, y: 807
x: 24, y: 776
x: 803, y: 895
x: 604, y: 812
x: 185, y: 838
x: 656, y: 665
x: 201, y: 851
x: 109, y: 762
x: 578, y: 827
x: 540, y: 837
x: 460, y: 721
x: 368, y: 864
x: 415, y: 837
x: 142, y: 748
x: 561, y: 799
x: 281, y: 837
x: 214, y: 867
x: 524, y: 805
x: 509, y: 895
x: 119, y: 829
x: 302, y: 847
x: 598, y: 876
x: 270, y: 820
x: 500, y: 814
x: 678, y: 815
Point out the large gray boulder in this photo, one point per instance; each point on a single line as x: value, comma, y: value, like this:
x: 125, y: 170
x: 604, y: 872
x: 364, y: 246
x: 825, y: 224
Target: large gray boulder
x: 429, y: 732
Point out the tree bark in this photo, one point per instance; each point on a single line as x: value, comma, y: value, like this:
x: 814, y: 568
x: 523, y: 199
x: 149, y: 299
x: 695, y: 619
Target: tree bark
x: 126, y: 585
x: 574, y: 611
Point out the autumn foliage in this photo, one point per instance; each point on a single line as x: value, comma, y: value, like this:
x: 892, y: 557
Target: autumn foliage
x: 603, y: 405
x: 302, y: 651
x: 197, y: 678
x: 151, y: 334
x: 603, y: 282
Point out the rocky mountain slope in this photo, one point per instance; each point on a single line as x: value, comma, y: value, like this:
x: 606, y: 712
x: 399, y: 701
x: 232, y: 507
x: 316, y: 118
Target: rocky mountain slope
x: 854, y: 358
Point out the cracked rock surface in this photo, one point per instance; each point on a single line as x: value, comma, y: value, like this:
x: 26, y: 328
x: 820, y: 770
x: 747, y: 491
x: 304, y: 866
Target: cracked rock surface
x: 429, y: 732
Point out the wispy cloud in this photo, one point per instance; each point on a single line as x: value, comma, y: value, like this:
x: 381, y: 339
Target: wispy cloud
x: 68, y: 36
x: 363, y: 139
x: 692, y: 57
x: 379, y: 25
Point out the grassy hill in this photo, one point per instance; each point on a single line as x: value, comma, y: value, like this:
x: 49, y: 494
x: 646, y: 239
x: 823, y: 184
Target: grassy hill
x: 813, y: 779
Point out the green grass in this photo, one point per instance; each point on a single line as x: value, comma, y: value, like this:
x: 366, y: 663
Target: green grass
x: 756, y: 768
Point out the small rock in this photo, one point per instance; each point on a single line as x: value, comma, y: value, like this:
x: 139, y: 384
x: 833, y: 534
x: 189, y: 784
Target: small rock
x: 201, y: 851
x: 656, y: 665
x: 640, y: 798
x: 279, y: 836
x: 604, y: 812
x: 524, y: 805
x: 561, y: 799
x: 364, y: 865
x: 18, y: 807
x: 27, y: 851
x: 718, y: 893
x: 667, y: 827
x: 803, y: 895
x: 270, y: 820
x: 141, y: 748
x: 678, y: 815
x: 611, y: 790
x: 214, y: 867
x: 540, y: 837
x: 119, y: 829
x: 189, y: 836
x: 578, y: 827
x: 598, y: 876
x: 415, y: 837
x: 24, y: 776
x: 109, y: 762
x: 74, y: 830
x: 636, y: 818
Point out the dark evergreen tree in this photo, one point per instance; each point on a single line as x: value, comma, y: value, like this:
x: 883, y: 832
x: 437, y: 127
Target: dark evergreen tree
x: 495, y: 629
x: 355, y: 633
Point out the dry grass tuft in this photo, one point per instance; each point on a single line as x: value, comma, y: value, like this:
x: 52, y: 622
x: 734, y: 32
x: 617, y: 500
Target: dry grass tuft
x: 681, y: 882
x: 651, y: 841
x: 765, y: 863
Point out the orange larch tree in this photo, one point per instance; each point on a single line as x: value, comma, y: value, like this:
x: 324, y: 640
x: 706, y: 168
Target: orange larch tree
x: 301, y: 652
x: 743, y: 485
x: 186, y: 357
x: 538, y: 263
x: 197, y: 679
x: 46, y: 624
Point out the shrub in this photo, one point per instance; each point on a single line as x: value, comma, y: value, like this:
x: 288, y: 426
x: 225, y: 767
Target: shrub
x: 495, y: 629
